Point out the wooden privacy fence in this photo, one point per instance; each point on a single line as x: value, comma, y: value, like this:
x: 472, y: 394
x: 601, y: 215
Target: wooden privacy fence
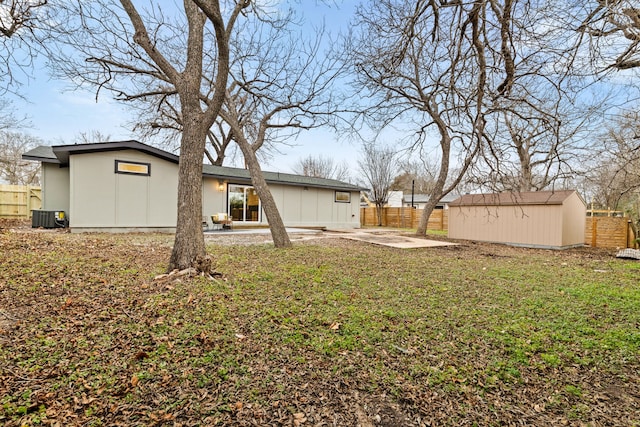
x: 404, y: 218
x: 609, y: 232
x: 17, y: 201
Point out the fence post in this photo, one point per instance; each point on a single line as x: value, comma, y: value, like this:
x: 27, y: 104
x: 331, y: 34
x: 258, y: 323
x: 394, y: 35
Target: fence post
x: 28, y: 201
x: 594, y: 231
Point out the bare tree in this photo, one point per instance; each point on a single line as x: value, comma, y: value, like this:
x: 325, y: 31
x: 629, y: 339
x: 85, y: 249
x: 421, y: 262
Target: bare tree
x: 322, y: 167
x: 541, y: 114
x: 90, y: 137
x: 281, y: 85
x: 159, y: 119
x: 8, y: 118
x: 417, y: 176
x: 612, y: 30
x: 19, y: 23
x: 14, y: 170
x: 424, y: 64
x: 614, y: 174
x: 378, y: 166
x: 131, y: 51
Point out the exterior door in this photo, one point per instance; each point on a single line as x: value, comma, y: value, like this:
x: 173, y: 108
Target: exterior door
x: 244, y: 204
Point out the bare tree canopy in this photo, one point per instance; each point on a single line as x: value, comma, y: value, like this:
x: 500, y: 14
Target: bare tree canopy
x: 322, y: 167
x: 280, y: 85
x: 14, y: 170
x: 425, y: 66
x: 416, y: 175
x: 20, y: 22
x: 612, y: 30
x: 613, y: 179
x: 378, y: 166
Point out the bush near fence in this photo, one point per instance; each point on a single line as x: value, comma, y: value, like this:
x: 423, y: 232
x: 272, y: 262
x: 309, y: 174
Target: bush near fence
x: 17, y: 201
x: 404, y: 218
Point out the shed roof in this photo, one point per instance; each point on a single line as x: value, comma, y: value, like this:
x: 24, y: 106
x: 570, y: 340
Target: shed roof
x: 511, y: 198
x: 59, y: 154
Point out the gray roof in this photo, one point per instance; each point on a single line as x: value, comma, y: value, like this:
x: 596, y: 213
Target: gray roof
x: 59, y: 154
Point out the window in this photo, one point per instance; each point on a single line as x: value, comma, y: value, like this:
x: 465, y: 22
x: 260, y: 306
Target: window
x: 343, y: 197
x: 133, y: 168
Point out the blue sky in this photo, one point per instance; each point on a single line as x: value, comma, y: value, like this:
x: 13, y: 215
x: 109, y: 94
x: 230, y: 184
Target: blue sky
x: 58, y: 116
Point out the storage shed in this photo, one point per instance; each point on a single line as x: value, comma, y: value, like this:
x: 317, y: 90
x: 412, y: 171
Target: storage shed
x: 541, y: 219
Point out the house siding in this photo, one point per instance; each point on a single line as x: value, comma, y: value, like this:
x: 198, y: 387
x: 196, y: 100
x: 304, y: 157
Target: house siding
x: 55, y: 188
x: 101, y: 198
x: 302, y: 206
x: 98, y: 198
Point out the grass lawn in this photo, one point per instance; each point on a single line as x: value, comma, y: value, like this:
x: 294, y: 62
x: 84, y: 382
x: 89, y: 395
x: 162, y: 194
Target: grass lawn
x: 329, y: 332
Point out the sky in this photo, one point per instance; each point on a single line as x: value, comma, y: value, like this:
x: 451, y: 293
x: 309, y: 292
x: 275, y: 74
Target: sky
x: 58, y: 116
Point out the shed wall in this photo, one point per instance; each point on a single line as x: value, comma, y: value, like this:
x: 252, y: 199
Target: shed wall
x: 529, y: 225
x: 574, y: 216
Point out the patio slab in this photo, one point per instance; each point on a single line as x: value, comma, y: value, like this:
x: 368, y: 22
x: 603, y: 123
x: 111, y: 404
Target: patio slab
x: 394, y: 241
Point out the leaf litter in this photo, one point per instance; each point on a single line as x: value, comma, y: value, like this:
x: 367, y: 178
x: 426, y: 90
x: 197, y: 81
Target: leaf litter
x: 329, y: 332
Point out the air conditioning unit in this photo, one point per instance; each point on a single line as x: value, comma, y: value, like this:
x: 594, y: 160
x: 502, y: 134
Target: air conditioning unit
x: 49, y: 219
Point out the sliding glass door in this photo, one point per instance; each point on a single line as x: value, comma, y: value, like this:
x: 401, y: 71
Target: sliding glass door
x: 244, y: 204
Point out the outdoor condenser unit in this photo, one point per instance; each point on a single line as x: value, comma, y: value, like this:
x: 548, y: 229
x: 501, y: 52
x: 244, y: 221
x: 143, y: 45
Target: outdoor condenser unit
x: 49, y: 219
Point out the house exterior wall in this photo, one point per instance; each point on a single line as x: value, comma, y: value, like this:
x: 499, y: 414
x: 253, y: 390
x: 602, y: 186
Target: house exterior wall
x: 101, y: 198
x: 315, y: 207
x: 214, y: 200
x: 55, y: 188
x: 298, y: 206
x: 96, y: 198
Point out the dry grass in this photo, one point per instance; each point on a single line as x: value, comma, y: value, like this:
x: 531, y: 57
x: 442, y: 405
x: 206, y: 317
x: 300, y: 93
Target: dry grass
x: 329, y: 332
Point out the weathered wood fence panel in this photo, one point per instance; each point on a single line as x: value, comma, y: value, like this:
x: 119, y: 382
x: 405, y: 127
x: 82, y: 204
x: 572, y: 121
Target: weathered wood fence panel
x: 404, y: 218
x: 609, y: 232
x: 17, y: 201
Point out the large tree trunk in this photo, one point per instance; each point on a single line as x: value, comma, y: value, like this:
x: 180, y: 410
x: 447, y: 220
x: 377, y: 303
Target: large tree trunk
x: 276, y: 225
x: 438, y: 189
x: 189, y: 239
x: 379, y: 214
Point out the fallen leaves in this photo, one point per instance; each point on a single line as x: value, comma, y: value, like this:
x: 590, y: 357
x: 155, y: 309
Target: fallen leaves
x: 296, y: 337
x: 298, y: 419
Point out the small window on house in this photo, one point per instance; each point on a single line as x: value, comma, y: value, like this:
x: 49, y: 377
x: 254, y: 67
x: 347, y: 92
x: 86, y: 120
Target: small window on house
x: 343, y: 197
x: 133, y: 168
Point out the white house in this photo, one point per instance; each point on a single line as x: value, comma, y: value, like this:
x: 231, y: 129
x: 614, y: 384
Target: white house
x: 420, y: 200
x: 128, y: 185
